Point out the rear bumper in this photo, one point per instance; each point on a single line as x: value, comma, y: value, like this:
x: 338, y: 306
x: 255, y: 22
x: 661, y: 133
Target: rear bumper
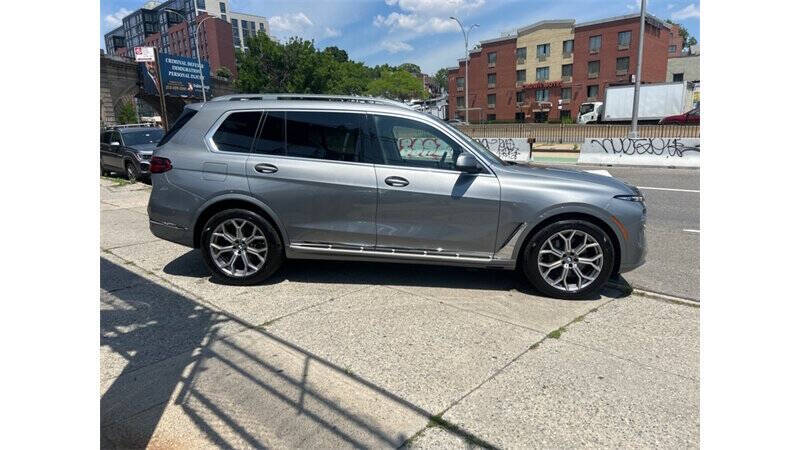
x: 171, y: 232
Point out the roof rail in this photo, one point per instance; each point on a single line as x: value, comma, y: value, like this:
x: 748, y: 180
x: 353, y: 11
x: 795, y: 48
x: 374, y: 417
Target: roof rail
x: 131, y: 125
x: 313, y: 97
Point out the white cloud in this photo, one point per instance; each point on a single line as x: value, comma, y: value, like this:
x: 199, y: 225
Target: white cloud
x: 670, y: 6
x: 433, y: 7
x: 686, y: 13
x: 293, y: 23
x: 115, y: 20
x: 331, y: 32
x: 412, y: 22
x: 396, y: 46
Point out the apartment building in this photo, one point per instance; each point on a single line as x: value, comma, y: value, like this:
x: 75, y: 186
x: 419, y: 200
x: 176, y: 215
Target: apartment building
x: 606, y: 53
x: 171, y: 27
x: 557, y: 65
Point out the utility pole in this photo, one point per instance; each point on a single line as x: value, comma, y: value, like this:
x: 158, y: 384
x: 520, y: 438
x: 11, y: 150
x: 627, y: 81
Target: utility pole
x: 466, y: 66
x: 164, y: 119
x: 637, y: 85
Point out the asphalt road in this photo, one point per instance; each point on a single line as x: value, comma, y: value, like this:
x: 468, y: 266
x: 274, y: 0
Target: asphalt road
x: 673, y: 228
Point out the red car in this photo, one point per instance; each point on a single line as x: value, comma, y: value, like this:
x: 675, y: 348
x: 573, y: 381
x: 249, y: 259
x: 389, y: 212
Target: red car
x: 691, y: 117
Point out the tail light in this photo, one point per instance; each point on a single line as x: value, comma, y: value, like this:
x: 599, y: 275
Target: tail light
x: 160, y: 165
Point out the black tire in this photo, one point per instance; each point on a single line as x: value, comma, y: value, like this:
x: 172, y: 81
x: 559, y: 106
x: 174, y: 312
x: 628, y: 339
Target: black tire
x: 531, y: 251
x: 103, y: 171
x: 274, y: 257
x: 131, y: 171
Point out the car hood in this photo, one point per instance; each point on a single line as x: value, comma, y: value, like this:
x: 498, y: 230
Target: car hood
x: 572, y: 176
x: 674, y: 117
x: 146, y: 149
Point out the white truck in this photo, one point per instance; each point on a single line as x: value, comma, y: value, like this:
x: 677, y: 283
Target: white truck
x: 656, y: 101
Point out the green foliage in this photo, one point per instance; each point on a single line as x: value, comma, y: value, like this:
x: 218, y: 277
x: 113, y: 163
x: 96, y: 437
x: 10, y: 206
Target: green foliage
x: 567, y: 120
x: 441, y: 79
x: 127, y: 113
x: 397, y: 84
x: 223, y: 72
x: 688, y: 40
x: 413, y: 69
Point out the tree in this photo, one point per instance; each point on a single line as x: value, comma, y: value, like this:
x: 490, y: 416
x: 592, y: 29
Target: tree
x: 223, y: 72
x: 688, y: 40
x: 127, y: 113
x: 338, y: 54
x: 441, y: 79
x: 413, y: 69
x: 398, y: 84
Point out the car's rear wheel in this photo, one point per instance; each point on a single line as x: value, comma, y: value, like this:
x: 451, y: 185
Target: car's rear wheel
x: 103, y: 171
x: 131, y: 171
x: 569, y: 259
x: 241, y: 247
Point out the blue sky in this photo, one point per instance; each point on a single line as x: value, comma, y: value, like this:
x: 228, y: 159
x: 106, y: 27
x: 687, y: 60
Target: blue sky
x: 418, y: 31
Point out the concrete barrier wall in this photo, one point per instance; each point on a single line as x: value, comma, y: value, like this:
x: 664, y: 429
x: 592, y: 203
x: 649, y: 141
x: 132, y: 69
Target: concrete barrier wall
x: 509, y: 149
x: 663, y: 152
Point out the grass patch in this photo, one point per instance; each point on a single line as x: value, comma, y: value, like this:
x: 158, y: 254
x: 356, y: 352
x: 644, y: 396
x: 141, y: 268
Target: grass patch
x: 118, y: 181
x: 555, y: 334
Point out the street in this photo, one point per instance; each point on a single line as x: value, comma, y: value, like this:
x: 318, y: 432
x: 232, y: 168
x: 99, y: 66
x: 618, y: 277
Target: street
x: 333, y: 354
x: 673, y: 228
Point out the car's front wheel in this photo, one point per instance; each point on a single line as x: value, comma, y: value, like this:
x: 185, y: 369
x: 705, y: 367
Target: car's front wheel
x: 241, y: 247
x: 569, y: 259
x: 131, y: 171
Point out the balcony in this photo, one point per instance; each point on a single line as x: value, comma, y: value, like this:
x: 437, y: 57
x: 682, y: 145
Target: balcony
x: 594, y: 74
x: 566, y: 78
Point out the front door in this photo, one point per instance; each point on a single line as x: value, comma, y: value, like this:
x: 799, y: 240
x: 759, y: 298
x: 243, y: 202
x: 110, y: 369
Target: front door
x: 424, y: 203
x: 312, y: 170
x: 115, y: 151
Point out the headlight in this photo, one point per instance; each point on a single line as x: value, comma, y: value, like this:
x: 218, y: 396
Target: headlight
x: 631, y: 198
x: 138, y: 156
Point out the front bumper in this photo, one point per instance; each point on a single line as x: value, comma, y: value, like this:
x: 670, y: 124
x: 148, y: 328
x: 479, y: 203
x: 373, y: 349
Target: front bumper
x: 632, y: 216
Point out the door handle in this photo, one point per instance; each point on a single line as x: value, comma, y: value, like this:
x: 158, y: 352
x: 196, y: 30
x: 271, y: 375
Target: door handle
x: 266, y: 168
x: 396, y: 181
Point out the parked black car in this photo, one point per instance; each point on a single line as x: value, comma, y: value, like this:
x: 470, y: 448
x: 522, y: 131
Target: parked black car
x: 127, y: 149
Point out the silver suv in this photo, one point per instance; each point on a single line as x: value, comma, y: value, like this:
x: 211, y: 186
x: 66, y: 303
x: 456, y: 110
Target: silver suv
x: 253, y: 179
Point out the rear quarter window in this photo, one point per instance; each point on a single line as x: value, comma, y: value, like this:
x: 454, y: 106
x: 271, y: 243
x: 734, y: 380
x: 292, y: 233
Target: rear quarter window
x: 237, y: 131
x: 185, y: 116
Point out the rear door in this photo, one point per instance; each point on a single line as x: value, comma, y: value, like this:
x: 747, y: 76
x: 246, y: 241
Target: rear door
x: 310, y: 167
x: 424, y: 203
x: 115, y: 151
x: 105, y: 140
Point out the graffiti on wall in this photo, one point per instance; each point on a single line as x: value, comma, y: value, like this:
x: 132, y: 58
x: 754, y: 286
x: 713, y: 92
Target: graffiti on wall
x: 670, y: 147
x: 506, y: 148
x: 678, y: 152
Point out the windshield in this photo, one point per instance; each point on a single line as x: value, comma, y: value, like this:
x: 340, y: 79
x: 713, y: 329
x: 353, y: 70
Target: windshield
x: 143, y: 137
x: 586, y: 108
x: 480, y: 149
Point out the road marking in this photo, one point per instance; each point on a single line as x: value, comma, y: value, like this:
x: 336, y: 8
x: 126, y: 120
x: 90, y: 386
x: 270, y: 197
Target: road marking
x: 691, y: 231
x: 599, y: 172
x: 668, y: 189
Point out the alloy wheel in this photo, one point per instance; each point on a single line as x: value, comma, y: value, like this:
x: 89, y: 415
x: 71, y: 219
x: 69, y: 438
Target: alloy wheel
x: 238, y: 247
x: 570, y: 260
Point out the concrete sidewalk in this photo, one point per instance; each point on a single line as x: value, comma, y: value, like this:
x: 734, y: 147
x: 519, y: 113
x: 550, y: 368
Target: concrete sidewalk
x: 330, y: 354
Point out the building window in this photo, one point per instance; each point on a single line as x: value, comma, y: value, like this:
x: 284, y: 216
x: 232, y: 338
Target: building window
x: 491, y: 79
x: 673, y: 48
x: 566, y: 47
x: 235, y: 23
x: 623, y: 40
x: 261, y: 26
x: 676, y: 77
x: 566, y: 93
x: 542, y: 73
x: 566, y: 70
x: 592, y: 91
x: 460, y: 102
x: 490, y: 100
x: 522, y: 54
x: 594, y: 43
x: 492, y: 58
x: 201, y: 4
x: 542, y: 95
x: 594, y: 69
x: 622, y: 65
x: 542, y: 51
x: 222, y: 7
x: 521, y: 76
x: 520, y: 96
x: 491, y: 117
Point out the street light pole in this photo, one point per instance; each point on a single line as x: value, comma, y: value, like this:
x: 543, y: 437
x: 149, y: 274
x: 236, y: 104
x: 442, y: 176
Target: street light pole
x: 466, y: 66
x: 637, y: 85
x: 196, y: 44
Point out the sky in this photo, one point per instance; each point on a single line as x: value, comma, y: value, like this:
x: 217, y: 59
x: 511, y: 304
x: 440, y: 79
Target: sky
x: 418, y: 31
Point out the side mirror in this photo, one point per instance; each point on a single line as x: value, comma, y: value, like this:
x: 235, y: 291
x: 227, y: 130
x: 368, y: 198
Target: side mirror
x: 115, y: 143
x: 466, y: 162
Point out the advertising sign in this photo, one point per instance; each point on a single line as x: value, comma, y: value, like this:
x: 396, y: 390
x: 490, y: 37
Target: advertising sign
x: 180, y: 76
x: 144, y: 54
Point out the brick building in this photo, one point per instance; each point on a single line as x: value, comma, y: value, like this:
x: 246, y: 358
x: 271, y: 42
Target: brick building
x: 606, y: 54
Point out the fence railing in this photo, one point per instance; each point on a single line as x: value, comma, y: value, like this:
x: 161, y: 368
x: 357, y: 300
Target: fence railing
x: 574, y: 133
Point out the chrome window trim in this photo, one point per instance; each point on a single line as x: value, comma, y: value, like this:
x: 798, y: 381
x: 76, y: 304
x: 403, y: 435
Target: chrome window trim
x: 208, y: 138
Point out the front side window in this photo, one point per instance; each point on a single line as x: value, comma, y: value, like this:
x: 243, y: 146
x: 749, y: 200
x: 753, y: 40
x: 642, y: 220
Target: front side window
x: 595, y: 42
x: 492, y: 57
x: 587, y: 108
x: 324, y: 135
x: 624, y: 39
x: 542, y: 73
x: 105, y: 138
x: 406, y: 142
x: 271, y: 140
x: 115, y: 137
x: 236, y: 133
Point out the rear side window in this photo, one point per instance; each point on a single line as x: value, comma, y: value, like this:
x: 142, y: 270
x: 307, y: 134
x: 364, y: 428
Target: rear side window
x: 105, y: 138
x: 184, y: 117
x: 237, y: 132
x: 271, y: 139
x: 322, y: 135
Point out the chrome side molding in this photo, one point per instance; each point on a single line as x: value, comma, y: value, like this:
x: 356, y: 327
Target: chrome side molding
x: 391, y: 252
